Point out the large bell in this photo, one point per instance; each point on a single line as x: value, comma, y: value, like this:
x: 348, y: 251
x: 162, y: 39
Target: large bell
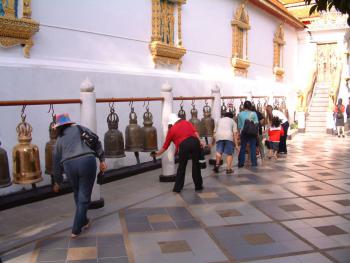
x: 223, y: 109
x: 26, y: 161
x: 5, y: 179
x: 133, y: 134
x: 207, y: 122
x: 150, y: 143
x: 50, y: 148
x: 182, y: 113
x: 113, y: 140
x: 194, y: 119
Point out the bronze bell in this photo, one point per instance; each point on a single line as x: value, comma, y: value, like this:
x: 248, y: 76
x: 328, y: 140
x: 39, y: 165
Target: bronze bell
x: 150, y: 143
x: 276, y: 104
x: 182, y: 113
x: 133, y: 134
x: 241, y: 106
x: 113, y: 140
x: 223, y: 109
x: 50, y: 147
x: 26, y: 161
x: 194, y: 119
x: 5, y: 179
x: 207, y: 122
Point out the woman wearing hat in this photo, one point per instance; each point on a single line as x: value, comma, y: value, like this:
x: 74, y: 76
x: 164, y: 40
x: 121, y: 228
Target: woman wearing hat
x: 78, y: 162
x: 186, y: 139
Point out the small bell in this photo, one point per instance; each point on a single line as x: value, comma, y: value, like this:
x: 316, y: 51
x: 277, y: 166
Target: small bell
x: 150, y: 143
x: 207, y: 122
x: 182, y: 113
x: 5, y: 179
x: 26, y: 161
x: 113, y: 139
x: 241, y: 106
x: 194, y: 119
x: 223, y: 109
x: 133, y: 134
x: 276, y: 104
x: 253, y: 104
x: 50, y: 148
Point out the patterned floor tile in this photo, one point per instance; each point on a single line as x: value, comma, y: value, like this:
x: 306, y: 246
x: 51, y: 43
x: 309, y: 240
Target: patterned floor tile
x: 337, y: 203
x: 341, y: 255
x: 249, y: 242
x: 294, y: 208
x: 209, y: 195
x: 174, y: 247
x: 341, y: 183
x: 242, y: 179
x: 323, y: 232
x: 323, y: 175
x: 312, y: 188
x: 306, y: 258
x: 260, y: 192
x: 158, y: 219
x: 228, y: 214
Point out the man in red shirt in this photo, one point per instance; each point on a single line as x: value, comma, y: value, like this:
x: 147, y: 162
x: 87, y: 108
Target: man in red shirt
x: 186, y: 139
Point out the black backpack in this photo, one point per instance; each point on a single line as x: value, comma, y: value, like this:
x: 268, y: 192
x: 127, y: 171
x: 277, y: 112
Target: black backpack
x: 250, y: 128
x: 340, y: 113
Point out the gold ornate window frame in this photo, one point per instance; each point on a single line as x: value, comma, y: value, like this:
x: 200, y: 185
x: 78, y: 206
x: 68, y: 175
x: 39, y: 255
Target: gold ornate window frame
x: 240, y: 26
x: 166, y: 44
x: 17, y: 31
x: 278, y: 44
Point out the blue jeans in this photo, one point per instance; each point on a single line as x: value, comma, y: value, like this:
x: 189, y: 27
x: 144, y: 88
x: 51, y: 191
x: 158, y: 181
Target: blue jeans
x: 241, y: 157
x: 81, y: 172
x: 225, y: 146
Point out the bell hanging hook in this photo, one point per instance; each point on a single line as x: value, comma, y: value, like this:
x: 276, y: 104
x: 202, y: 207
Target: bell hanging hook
x: 146, y: 104
x: 111, y: 106
x: 206, y: 102
x: 52, y: 110
x: 23, y: 115
x: 182, y: 103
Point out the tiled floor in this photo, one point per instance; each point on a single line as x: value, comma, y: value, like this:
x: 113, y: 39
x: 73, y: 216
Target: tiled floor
x: 294, y: 210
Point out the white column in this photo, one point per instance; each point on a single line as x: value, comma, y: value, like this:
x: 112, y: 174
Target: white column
x: 300, y: 116
x: 215, y: 114
x: 88, y: 119
x: 168, y: 158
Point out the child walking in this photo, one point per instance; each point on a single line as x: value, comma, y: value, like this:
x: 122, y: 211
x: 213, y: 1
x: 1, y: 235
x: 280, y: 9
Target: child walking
x: 275, y: 132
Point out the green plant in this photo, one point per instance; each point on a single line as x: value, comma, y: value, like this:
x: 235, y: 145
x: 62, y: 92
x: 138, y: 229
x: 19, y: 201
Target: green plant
x: 342, y: 6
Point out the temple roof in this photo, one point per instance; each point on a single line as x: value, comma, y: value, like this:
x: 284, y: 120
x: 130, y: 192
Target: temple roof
x: 298, y: 9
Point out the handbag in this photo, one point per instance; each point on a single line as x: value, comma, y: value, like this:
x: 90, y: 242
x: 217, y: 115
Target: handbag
x: 100, y: 177
x: 250, y: 128
x: 202, y: 161
x: 89, y: 138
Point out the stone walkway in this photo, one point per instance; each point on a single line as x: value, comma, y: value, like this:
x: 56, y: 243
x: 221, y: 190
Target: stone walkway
x: 293, y: 210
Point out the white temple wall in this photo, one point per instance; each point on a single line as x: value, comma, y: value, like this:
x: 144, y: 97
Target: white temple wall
x: 108, y: 42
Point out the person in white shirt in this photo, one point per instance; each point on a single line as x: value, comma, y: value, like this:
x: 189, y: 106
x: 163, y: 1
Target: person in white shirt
x: 285, y: 125
x: 225, y: 134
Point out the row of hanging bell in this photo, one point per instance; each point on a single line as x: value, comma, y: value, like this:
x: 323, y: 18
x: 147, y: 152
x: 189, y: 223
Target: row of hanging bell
x: 137, y: 139
x: 206, y: 125
x: 26, y: 161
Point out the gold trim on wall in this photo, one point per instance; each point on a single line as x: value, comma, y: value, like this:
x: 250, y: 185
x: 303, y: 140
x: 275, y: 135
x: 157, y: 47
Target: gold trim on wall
x: 278, y: 44
x: 166, y: 44
x: 240, y: 26
x: 18, y: 31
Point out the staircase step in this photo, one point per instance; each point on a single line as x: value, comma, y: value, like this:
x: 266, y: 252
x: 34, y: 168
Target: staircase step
x: 320, y: 99
x: 318, y: 109
x: 316, y: 129
x: 316, y: 125
x: 323, y: 104
x: 317, y: 114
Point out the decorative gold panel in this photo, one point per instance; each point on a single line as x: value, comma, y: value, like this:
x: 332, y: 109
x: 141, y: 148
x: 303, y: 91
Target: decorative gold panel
x: 278, y: 43
x: 240, y: 26
x: 163, y: 46
x: 17, y: 31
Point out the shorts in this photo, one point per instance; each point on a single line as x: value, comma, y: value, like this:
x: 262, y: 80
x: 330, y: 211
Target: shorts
x: 274, y: 146
x: 225, y: 146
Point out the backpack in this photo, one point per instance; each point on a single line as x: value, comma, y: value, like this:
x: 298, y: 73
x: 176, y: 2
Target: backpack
x: 250, y: 128
x: 340, y: 113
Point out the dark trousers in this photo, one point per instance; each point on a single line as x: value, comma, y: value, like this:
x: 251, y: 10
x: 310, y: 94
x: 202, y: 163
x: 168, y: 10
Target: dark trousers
x: 189, y: 148
x: 252, y: 143
x: 81, y: 172
x: 283, y: 140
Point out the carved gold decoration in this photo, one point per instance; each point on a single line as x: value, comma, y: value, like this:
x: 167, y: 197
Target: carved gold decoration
x: 163, y: 48
x: 278, y: 43
x: 240, y: 26
x: 14, y: 31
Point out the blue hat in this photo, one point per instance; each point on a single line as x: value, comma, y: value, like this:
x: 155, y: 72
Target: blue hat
x: 62, y: 119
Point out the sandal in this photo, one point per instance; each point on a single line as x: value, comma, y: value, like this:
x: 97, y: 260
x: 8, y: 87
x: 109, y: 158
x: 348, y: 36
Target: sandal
x: 216, y: 168
x: 229, y: 171
x: 88, y: 224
